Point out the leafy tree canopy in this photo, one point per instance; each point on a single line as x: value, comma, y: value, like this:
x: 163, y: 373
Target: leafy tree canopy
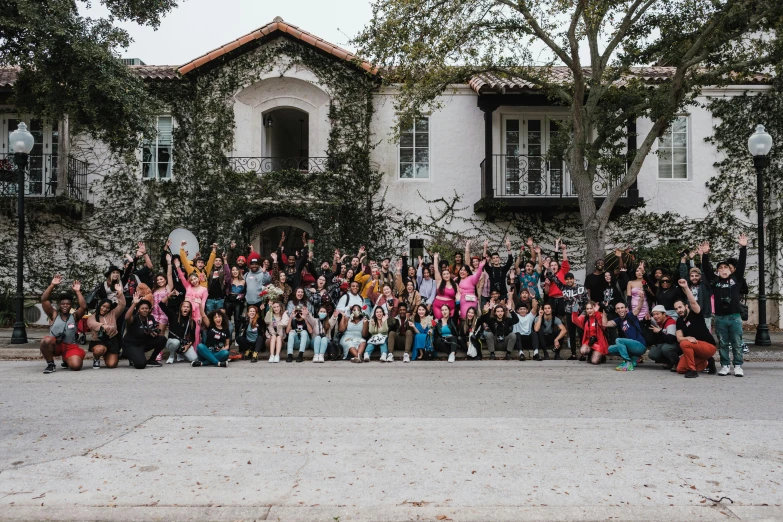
x: 427, y: 46
x: 69, y: 64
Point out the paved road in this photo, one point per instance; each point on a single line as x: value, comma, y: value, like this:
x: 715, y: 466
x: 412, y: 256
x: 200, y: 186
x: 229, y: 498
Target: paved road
x: 425, y: 441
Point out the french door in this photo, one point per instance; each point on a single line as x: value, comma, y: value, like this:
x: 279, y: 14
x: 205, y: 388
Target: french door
x: 526, y: 171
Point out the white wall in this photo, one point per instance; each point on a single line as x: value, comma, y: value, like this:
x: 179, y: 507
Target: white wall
x: 456, y: 150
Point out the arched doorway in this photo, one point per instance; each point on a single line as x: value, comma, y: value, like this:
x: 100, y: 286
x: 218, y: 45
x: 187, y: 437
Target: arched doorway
x: 286, y: 135
x: 266, y: 236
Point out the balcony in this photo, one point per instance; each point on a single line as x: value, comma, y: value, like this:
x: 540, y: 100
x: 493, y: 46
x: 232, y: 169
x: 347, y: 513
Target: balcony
x: 41, y: 177
x: 312, y: 165
x: 538, y: 183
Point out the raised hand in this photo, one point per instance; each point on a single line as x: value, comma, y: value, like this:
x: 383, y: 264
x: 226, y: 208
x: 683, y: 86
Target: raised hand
x: 557, y: 243
x: 618, y: 252
x: 117, y: 288
x: 508, y: 244
x: 274, y: 257
x: 683, y: 283
x: 142, y: 248
x: 399, y: 264
x: 136, y: 297
x: 232, y: 245
x: 214, y: 247
x: 168, y: 243
x: 362, y: 250
x: 168, y: 259
x: 529, y: 242
x: 183, y: 243
x: 743, y: 240
x: 76, y: 286
x: 57, y: 279
x: 538, y: 250
x: 705, y: 247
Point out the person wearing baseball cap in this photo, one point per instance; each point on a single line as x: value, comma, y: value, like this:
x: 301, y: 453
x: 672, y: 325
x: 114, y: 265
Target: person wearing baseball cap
x: 727, y: 288
x: 664, y: 348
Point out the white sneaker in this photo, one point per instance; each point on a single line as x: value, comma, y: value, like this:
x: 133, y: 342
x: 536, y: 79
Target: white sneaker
x: 315, y: 358
x: 724, y: 370
x: 366, y: 357
x: 170, y: 360
x: 180, y: 357
x: 321, y: 358
x: 452, y: 357
x: 738, y: 371
x: 389, y: 357
x: 406, y: 357
x: 383, y: 357
x: 277, y: 358
x: 271, y: 358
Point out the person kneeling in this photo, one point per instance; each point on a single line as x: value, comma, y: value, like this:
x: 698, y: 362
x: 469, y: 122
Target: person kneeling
x: 214, y: 351
x: 141, y: 334
x: 594, y: 345
x: 105, y: 335
x: 61, y: 340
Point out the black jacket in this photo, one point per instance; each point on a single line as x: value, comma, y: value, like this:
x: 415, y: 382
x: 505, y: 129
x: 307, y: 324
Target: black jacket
x: 728, y: 292
x: 438, y: 333
x: 499, y: 328
x: 497, y: 275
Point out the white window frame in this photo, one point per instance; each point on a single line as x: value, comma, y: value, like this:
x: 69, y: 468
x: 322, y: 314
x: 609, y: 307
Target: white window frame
x: 429, y: 154
x: 155, y: 162
x: 658, y: 149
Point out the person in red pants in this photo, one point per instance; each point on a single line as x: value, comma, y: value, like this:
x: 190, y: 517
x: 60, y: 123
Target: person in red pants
x: 696, y: 341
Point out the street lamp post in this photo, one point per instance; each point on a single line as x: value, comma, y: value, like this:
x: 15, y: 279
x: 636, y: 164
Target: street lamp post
x: 21, y: 142
x: 759, y: 145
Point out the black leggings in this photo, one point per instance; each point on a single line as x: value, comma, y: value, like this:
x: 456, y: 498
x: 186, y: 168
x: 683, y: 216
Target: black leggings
x: 446, y: 346
x: 245, y: 345
x: 234, y: 313
x: 527, y: 342
x: 135, y: 352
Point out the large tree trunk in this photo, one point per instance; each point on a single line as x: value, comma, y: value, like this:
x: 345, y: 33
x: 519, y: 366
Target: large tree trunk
x: 593, y: 227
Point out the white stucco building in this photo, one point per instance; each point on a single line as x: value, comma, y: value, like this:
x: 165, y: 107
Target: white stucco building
x: 488, y: 141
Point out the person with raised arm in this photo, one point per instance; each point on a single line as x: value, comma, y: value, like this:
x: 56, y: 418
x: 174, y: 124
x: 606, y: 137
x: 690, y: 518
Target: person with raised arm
x: 447, y: 293
x: 727, y: 288
x: 530, y: 276
x: 142, y: 334
x: 696, y: 341
x: 468, y: 282
x: 106, y: 340
x: 61, y: 340
x: 199, y: 267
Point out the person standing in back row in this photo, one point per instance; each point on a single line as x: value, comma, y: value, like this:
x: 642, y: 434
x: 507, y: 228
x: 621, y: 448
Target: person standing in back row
x: 728, y: 323
x: 496, y: 272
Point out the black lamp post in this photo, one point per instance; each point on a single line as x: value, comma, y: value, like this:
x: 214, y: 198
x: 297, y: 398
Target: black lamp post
x: 759, y: 145
x: 21, y: 142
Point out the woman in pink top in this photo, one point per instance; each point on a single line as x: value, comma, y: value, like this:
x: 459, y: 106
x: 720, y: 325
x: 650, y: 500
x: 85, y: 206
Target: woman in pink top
x: 196, y: 295
x: 163, y: 286
x: 447, y: 292
x: 468, y: 282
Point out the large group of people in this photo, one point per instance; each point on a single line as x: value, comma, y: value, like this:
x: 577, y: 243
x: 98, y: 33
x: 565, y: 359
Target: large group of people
x: 242, y: 305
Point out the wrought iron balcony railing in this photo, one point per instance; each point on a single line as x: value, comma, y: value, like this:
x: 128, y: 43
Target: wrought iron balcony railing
x: 273, y: 164
x: 537, y: 176
x: 41, y: 176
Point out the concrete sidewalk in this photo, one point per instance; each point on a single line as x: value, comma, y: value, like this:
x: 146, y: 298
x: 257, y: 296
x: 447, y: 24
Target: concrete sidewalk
x: 555, y: 440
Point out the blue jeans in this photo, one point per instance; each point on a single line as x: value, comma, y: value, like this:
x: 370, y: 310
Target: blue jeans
x: 214, y: 304
x: 210, y: 358
x: 371, y: 347
x: 627, y: 348
x: 320, y: 344
x: 295, y: 336
x: 729, y: 330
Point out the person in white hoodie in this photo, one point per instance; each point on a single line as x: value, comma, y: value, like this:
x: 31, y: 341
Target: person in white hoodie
x: 524, y: 330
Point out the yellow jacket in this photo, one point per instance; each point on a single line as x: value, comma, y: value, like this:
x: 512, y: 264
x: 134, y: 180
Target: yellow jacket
x: 187, y: 264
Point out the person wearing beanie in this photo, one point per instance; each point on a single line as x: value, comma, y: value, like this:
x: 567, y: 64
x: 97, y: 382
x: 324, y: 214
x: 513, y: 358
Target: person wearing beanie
x: 727, y: 289
x: 699, y: 285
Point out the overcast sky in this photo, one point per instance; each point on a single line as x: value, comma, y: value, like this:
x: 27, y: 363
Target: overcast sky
x: 198, y: 26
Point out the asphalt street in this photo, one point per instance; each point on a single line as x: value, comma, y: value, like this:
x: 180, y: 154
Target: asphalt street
x: 491, y: 440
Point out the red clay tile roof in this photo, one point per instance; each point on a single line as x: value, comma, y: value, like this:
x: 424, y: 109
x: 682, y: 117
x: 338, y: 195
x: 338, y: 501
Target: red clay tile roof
x: 146, y: 72
x: 277, y: 25
x: 491, y: 83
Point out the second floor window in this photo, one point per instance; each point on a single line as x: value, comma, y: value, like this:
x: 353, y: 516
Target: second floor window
x: 415, y: 150
x: 157, y: 151
x: 673, y: 150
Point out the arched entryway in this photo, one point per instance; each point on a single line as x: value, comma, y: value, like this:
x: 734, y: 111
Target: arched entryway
x: 267, y: 234
x: 286, y: 133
